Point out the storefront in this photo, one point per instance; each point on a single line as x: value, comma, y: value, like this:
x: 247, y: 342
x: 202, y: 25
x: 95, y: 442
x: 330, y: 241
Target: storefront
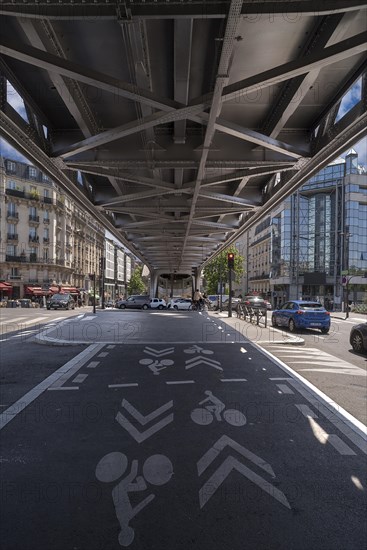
x: 6, y: 291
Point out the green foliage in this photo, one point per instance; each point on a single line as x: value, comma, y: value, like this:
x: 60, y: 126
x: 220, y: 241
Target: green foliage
x: 136, y: 284
x: 217, y: 269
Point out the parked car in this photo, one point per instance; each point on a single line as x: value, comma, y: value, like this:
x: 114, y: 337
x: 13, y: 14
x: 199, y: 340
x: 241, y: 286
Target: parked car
x: 134, y: 302
x: 254, y: 301
x: 109, y: 303
x: 180, y: 303
x: 61, y: 301
x: 300, y: 314
x: 358, y: 337
x: 158, y: 303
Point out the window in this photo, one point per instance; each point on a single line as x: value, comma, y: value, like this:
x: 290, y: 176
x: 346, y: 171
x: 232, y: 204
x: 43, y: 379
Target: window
x: 11, y: 229
x: 11, y: 250
x: 11, y: 184
x: 46, y: 215
x: 11, y: 209
x: 32, y: 173
x: 11, y: 166
x: 32, y: 211
x: 14, y: 272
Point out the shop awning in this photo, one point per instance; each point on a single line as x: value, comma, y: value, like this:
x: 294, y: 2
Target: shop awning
x: 36, y: 291
x: 6, y: 287
x: 69, y: 290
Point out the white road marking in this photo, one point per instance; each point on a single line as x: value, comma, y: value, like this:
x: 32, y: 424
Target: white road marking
x: 306, y: 411
x: 172, y: 382
x: 103, y: 354
x: 78, y: 361
x: 110, y: 347
x: 122, y: 385
x: 93, y: 364
x: 333, y: 439
x: 285, y: 389
x: 80, y: 378
x: 355, y: 430
x: 233, y: 380
x: 61, y: 388
x: 281, y: 378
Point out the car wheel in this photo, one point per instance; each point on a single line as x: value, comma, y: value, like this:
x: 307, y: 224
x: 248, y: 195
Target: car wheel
x: 292, y: 326
x: 175, y: 307
x: 160, y: 307
x: 122, y: 306
x: 145, y: 306
x: 357, y: 341
x: 273, y: 321
x: 325, y: 330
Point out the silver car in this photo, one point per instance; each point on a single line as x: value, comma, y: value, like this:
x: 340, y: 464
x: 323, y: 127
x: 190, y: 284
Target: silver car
x: 358, y: 337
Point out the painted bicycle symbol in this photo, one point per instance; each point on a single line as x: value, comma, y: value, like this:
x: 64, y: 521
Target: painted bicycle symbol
x: 198, y: 349
x: 215, y: 408
x: 154, y: 364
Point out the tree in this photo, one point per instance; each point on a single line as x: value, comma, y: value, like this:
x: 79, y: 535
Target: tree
x: 136, y: 284
x: 217, y: 269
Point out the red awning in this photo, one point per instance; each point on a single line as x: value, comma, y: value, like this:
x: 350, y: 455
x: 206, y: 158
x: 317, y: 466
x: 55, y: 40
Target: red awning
x: 36, y: 291
x: 69, y: 290
x: 6, y: 287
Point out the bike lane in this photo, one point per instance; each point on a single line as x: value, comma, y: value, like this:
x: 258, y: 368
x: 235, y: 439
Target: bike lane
x: 202, y: 446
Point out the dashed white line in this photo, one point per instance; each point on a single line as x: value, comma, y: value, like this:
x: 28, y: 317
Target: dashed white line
x: 122, y: 385
x: 103, y: 354
x: 80, y: 378
x: 93, y: 364
x: 285, y: 389
x: 172, y: 382
x: 306, y: 411
x: 233, y: 380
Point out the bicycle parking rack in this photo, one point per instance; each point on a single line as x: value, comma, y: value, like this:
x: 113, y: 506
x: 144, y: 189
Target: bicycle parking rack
x: 253, y: 314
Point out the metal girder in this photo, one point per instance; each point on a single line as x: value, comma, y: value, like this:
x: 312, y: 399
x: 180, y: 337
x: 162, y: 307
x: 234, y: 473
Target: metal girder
x: 56, y: 64
x: 246, y: 203
x: 142, y: 195
x: 240, y: 174
x: 164, y: 10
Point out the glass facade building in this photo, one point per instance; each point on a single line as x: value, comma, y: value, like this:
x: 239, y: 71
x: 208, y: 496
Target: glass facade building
x: 318, y: 236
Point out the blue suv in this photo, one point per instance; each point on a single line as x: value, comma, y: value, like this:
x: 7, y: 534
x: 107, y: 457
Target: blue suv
x: 299, y: 314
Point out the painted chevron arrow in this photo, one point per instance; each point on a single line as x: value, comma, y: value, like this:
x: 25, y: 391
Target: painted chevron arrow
x: 231, y: 463
x: 202, y: 361
x: 158, y: 352
x: 143, y: 420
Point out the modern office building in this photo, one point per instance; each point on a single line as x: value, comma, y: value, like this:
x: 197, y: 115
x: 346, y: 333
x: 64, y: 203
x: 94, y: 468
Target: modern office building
x: 118, y: 265
x: 46, y: 240
x: 314, y: 244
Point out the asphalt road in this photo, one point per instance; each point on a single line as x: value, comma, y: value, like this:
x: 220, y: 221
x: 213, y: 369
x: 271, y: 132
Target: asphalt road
x: 206, y: 446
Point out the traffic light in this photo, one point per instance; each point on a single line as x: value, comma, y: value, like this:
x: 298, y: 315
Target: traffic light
x: 230, y: 259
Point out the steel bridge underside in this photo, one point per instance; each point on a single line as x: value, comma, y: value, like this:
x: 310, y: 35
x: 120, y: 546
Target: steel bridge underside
x: 179, y: 124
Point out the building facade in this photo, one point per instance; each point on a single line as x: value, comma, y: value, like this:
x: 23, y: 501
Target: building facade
x: 46, y: 239
x: 314, y: 244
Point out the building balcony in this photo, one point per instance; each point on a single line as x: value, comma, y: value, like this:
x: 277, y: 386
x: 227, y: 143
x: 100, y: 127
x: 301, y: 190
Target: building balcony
x: 46, y: 240
x: 32, y: 239
x: 12, y: 236
x: 15, y: 193
x: 60, y: 204
x: 34, y: 219
x: 15, y: 277
x: 48, y: 200
x: 12, y: 216
x: 46, y: 220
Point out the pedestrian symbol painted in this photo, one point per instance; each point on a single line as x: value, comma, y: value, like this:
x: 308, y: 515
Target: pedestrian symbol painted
x: 153, y: 365
x: 215, y: 408
x: 143, y: 420
x: 157, y: 470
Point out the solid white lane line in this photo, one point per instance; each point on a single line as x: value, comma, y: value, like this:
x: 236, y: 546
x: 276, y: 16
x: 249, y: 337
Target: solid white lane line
x: 35, y: 392
x: 281, y: 378
x: 80, y: 378
x: 122, y: 385
x: 93, y: 364
x: 285, y: 389
x: 350, y: 426
x: 306, y: 411
x: 62, y: 388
